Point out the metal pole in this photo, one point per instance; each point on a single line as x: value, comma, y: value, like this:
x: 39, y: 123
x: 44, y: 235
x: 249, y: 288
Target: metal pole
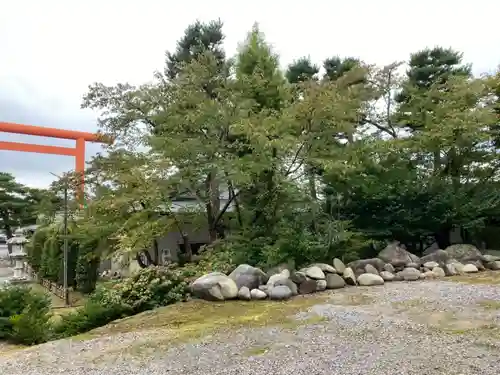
x: 65, y: 250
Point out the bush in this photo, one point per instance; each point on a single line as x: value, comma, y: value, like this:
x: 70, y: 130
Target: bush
x: 35, y: 248
x: 87, y: 266
x: 149, y: 288
x: 24, y: 316
x: 92, y: 315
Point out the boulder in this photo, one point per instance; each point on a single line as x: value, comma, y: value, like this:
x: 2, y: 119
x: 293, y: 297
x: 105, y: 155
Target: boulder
x: 349, y: 276
x: 479, y: 265
x: 339, y: 266
x: 459, y: 267
x: 324, y: 267
x: 246, y: 275
x: 439, y: 272
x: 464, y: 252
x: 244, y: 294
x: 397, y: 256
x: 439, y: 256
x: 283, y: 275
x: 389, y: 268
x: 410, y: 274
x: 369, y: 279
x: 387, y: 276
x: 413, y: 265
x: 429, y: 275
x: 214, y: 287
x: 361, y: 263
x: 284, y: 267
x: 320, y: 285
x: 315, y: 273
x: 298, y: 277
x: 307, y: 287
x: 430, y: 265
x: 334, y: 281
x: 449, y: 269
x: 470, y: 268
x: 370, y: 269
x: 494, y: 266
x: 290, y: 284
x: 265, y: 288
x: 258, y: 294
x: 280, y: 292
x: 490, y: 258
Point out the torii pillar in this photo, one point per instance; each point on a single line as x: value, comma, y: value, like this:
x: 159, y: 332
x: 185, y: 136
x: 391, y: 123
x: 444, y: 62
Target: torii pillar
x: 78, y: 152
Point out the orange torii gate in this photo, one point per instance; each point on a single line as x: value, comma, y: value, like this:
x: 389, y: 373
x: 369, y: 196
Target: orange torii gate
x: 78, y: 152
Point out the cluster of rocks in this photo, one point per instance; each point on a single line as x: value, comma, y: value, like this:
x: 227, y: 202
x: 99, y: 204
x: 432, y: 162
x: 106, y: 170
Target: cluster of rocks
x: 394, y: 263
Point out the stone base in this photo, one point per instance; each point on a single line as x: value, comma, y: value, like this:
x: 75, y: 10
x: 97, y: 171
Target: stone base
x: 19, y: 280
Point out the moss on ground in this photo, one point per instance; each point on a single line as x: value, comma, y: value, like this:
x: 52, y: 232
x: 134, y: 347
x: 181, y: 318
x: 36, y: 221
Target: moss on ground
x: 490, y: 304
x: 486, y: 277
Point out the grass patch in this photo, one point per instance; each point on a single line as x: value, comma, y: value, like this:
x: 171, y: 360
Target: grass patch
x: 490, y: 304
x: 491, y: 331
x: 357, y: 299
x: 485, y: 278
x: 256, y: 351
x: 408, y: 304
x: 194, y: 320
x: 76, y: 298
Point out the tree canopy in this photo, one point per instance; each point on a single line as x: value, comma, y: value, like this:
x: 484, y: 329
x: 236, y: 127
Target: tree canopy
x: 301, y: 163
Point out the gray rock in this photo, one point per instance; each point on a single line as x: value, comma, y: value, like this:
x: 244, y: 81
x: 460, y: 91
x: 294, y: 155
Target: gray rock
x: 298, y: 277
x: 307, y: 287
x: 265, y: 288
x: 439, y: 272
x: 470, y: 268
x: 334, y: 281
x: 280, y: 268
x: 413, y: 265
x: 439, y: 256
x: 280, y: 292
x: 397, y: 256
x: 398, y: 277
x: 459, y: 267
x: 246, y: 275
x: 283, y: 275
x: 479, y: 265
x: 430, y: 265
x: 449, y: 269
x: 387, y: 276
x: 361, y: 263
x: 491, y: 258
x: 410, y: 274
x: 428, y: 275
x: 258, y: 294
x: 349, y: 276
x: 389, y: 268
x: 339, y: 266
x: 464, y: 252
x: 315, y: 273
x: 494, y: 266
x: 214, y: 287
x: 324, y: 267
x: 244, y: 294
x: 370, y: 269
x: 369, y: 279
x: 290, y: 284
x: 320, y: 285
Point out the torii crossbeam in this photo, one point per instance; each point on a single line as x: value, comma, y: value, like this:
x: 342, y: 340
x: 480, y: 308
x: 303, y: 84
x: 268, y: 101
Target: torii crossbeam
x: 78, y: 152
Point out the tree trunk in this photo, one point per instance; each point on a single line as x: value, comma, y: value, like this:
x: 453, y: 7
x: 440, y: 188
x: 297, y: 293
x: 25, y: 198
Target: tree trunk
x: 187, y: 247
x: 442, y: 237
x: 212, y: 192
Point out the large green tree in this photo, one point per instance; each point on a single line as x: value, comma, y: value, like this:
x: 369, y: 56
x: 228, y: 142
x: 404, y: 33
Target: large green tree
x: 18, y: 204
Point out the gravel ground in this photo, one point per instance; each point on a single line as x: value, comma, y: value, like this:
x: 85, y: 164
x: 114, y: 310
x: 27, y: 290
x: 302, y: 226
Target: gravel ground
x: 428, y: 327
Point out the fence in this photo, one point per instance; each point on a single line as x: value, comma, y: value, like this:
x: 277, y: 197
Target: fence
x: 54, y: 288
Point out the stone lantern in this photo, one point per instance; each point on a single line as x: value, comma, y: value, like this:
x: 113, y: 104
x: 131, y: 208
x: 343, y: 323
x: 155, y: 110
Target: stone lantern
x: 18, y: 255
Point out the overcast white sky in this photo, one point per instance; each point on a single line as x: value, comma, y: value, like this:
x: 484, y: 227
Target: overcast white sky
x: 51, y: 50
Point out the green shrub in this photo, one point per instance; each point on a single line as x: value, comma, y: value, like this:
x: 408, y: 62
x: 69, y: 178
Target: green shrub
x: 24, y: 315
x: 152, y: 287
x: 35, y: 248
x: 92, y: 315
x: 87, y: 266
